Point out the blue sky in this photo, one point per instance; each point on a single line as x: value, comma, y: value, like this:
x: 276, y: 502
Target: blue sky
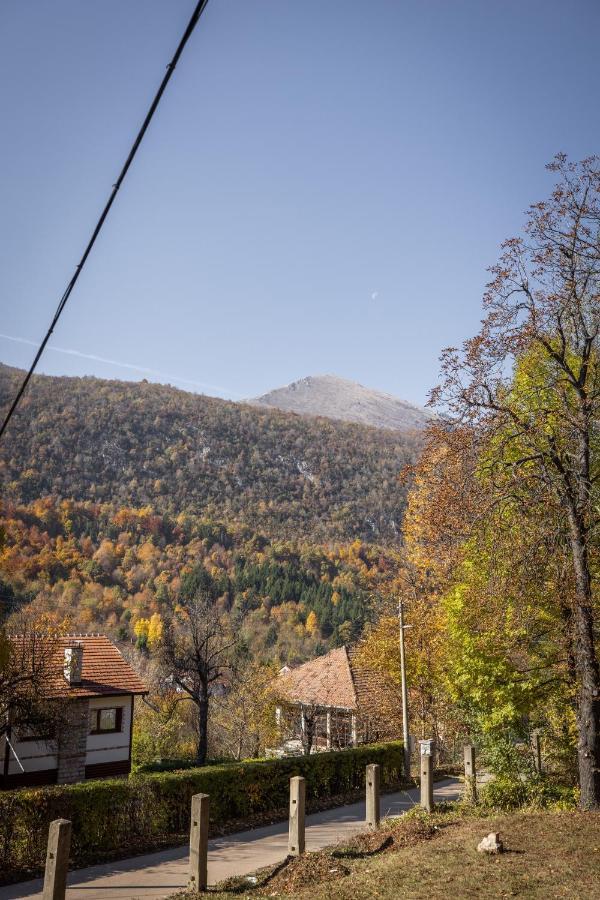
x: 321, y: 190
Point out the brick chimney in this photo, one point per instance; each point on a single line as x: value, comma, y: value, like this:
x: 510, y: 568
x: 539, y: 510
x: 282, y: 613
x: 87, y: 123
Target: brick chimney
x: 73, y: 664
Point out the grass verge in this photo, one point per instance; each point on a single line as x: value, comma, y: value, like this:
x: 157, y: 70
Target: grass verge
x: 548, y: 855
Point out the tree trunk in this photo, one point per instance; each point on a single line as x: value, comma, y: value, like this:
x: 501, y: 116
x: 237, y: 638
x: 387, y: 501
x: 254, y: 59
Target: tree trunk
x: 588, y: 673
x: 202, y: 749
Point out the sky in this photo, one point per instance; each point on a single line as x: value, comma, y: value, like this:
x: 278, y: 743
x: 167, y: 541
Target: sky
x: 321, y: 191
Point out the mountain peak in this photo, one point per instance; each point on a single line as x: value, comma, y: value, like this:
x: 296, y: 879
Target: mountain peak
x: 338, y: 398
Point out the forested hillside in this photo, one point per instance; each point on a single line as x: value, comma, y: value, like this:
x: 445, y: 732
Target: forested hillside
x: 137, y: 443
x: 119, y: 570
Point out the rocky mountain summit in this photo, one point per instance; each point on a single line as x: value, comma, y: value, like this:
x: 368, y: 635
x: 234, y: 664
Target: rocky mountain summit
x: 339, y: 398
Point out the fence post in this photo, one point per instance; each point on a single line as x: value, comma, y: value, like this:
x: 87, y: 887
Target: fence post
x: 470, y: 773
x: 57, y: 860
x: 198, y: 874
x: 297, y: 805
x: 373, y: 782
x: 427, y: 782
x: 537, y: 751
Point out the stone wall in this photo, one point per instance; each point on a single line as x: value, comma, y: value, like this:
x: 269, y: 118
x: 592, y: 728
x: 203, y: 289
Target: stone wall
x: 72, y: 743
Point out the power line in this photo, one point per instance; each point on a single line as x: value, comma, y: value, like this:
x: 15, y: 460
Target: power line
x: 201, y: 5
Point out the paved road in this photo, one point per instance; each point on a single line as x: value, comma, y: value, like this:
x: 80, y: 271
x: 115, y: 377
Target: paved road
x: 160, y: 874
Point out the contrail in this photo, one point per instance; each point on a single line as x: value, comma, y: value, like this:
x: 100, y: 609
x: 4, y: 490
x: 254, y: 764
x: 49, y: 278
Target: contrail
x: 123, y: 365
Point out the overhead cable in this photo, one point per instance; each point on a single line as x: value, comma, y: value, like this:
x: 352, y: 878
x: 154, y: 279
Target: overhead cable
x: 115, y: 189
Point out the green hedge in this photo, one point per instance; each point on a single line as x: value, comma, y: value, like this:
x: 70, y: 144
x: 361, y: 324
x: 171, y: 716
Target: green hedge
x: 178, y: 764
x: 113, y: 815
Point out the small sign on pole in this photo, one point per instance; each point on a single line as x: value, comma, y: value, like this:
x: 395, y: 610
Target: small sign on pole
x: 426, y: 760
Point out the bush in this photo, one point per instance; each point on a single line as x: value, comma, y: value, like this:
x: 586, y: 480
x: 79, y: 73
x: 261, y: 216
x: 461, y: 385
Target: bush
x: 507, y: 757
x: 537, y: 792
x: 114, y: 816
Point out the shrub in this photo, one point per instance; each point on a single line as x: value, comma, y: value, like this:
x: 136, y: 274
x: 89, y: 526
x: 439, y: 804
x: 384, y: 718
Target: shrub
x: 112, y: 816
x: 507, y: 757
x: 537, y: 792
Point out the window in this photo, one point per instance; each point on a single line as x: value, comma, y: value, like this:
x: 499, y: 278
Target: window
x: 103, y: 721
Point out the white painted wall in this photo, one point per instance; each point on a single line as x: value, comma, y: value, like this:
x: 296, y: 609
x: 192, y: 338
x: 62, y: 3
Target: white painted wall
x: 39, y: 756
x: 35, y: 756
x: 111, y: 747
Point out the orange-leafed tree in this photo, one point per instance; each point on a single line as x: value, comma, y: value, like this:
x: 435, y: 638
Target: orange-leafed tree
x: 528, y: 384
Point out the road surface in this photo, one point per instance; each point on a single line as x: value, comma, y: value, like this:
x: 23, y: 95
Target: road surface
x: 160, y: 874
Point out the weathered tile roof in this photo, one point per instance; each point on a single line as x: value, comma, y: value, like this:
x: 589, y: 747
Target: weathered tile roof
x: 104, y: 670
x: 324, y: 681
x: 378, y: 697
x: 338, y: 680
x: 368, y: 683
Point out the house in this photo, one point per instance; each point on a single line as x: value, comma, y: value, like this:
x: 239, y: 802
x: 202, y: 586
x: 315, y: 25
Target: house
x: 96, y: 689
x: 334, y: 701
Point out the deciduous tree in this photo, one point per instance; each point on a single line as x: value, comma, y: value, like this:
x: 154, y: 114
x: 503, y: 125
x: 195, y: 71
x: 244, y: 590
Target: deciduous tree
x: 196, y: 648
x: 528, y: 384
x: 27, y: 663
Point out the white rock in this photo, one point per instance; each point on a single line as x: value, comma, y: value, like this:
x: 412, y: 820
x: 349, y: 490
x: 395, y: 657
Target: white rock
x: 491, y: 843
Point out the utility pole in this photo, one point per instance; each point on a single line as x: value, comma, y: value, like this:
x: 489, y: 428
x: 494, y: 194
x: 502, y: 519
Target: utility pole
x: 405, y: 730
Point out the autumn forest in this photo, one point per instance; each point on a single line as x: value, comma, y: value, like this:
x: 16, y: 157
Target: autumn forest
x: 122, y: 503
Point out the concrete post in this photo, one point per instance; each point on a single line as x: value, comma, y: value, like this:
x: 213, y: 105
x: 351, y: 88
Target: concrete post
x: 57, y: 860
x: 198, y: 875
x: 297, y: 806
x: 537, y: 751
x: 373, y: 781
x: 427, y: 783
x: 328, y: 728
x: 353, y: 730
x: 470, y: 773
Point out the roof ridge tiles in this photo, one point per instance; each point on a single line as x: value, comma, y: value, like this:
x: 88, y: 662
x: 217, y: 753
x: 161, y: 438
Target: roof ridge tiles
x: 58, y: 637
x: 105, y: 670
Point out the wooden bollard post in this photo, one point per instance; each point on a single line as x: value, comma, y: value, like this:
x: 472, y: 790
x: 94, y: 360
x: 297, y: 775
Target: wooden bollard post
x: 373, y: 779
x: 537, y: 751
x: 57, y: 860
x: 470, y: 773
x: 427, y: 782
x: 297, y: 805
x: 198, y: 876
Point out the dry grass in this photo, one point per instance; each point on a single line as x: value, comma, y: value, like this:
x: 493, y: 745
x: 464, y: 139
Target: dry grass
x: 549, y: 855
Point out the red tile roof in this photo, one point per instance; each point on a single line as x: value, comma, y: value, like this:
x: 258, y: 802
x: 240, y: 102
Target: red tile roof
x: 338, y: 680
x: 370, y: 685
x: 324, y: 681
x: 104, y: 672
